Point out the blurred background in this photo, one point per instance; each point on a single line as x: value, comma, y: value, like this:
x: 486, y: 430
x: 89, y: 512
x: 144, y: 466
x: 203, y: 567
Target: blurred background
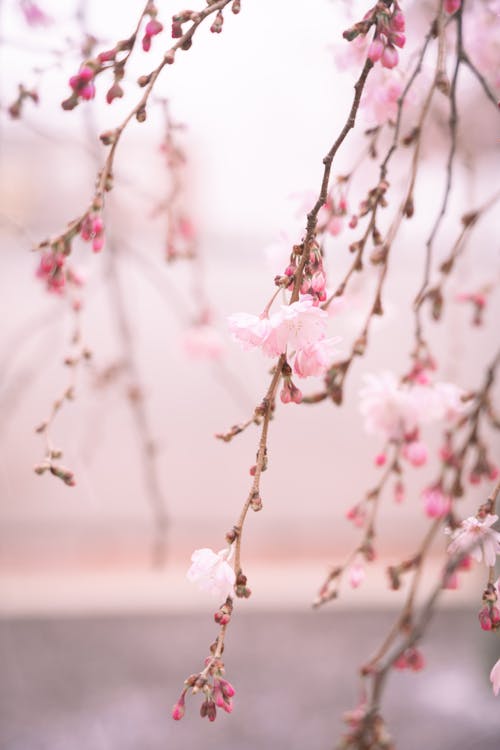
x: 262, y: 103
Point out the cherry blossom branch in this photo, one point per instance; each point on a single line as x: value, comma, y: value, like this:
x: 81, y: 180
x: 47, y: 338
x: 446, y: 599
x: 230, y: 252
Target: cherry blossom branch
x: 368, y: 728
x: 330, y: 587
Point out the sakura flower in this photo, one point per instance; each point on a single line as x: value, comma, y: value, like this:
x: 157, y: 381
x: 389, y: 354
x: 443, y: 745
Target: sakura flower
x: 449, y: 401
x: 315, y: 358
x: 249, y: 330
x: 436, y: 503
x: 212, y: 572
x: 477, y: 536
x: 297, y: 325
x: 389, y: 409
x: 495, y: 678
x: 203, y: 342
x: 416, y: 453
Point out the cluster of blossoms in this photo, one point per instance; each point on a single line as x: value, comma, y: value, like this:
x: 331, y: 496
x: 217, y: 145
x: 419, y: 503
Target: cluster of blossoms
x: 218, y: 692
x: 396, y: 410
x: 389, y: 28
x: 83, y: 82
x: 388, y: 36
x: 300, y: 327
x: 476, y: 537
x: 82, y: 85
x: 54, y: 271
x: 313, y: 275
x: 92, y: 230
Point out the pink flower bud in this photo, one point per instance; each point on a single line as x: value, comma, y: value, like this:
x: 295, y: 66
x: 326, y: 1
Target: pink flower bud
x: 398, y: 39
x: 451, y: 6
x: 436, y: 503
x: 398, y: 21
x: 178, y: 710
x: 390, y: 57
x: 376, y: 50
x: 353, y: 222
x: 153, y: 27
x: 318, y: 282
x: 416, y: 453
x: 484, y: 619
x: 85, y: 74
x: 227, y: 688
x: 87, y: 92
x: 97, y: 244
x: 107, y: 56
x: 380, y: 459
x: 176, y: 30
x: 493, y: 473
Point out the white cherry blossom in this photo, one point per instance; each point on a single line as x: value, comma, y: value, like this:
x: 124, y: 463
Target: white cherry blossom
x: 212, y: 572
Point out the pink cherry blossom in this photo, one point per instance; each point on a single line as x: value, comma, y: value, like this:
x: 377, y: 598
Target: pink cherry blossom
x: 380, y: 96
x: 389, y: 409
x: 436, y: 503
x: 297, y: 326
x: 478, y: 537
x: 249, y: 330
x: 203, y: 342
x: 315, y: 358
x: 212, y: 571
x: 495, y: 678
x: 416, y: 453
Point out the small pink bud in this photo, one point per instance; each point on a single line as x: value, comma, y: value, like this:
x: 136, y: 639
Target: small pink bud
x: 87, y: 92
x: 484, y: 619
x: 153, y: 27
x: 176, y: 30
x: 107, y: 56
x: 179, y: 710
x: 285, y: 395
x: 227, y: 688
x: 380, y: 459
x: 318, y: 282
x: 398, y: 21
x: 416, y: 453
x: 493, y: 473
x: 451, y: 6
x: 398, y: 39
x: 97, y: 244
x: 376, y: 50
x: 85, y: 74
x: 390, y: 57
